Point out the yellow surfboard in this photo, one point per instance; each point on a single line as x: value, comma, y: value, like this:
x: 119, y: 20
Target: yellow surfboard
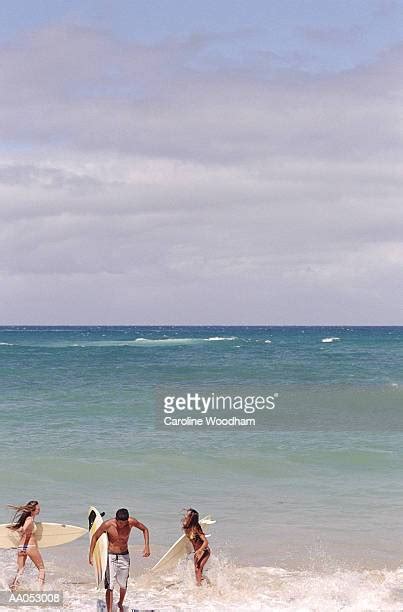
x: 46, y: 534
x: 179, y: 549
x: 100, y: 556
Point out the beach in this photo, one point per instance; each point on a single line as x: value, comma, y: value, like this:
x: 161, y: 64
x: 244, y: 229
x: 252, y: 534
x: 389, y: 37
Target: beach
x: 308, y: 503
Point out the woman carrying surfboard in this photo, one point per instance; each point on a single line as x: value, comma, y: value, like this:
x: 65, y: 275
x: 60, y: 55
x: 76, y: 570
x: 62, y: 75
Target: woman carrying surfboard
x: 194, y: 532
x: 24, y: 523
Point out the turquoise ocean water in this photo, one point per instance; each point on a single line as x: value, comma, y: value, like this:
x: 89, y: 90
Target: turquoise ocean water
x: 308, y: 507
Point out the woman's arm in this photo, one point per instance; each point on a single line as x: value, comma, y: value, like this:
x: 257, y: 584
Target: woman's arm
x: 200, y: 551
x: 26, y: 532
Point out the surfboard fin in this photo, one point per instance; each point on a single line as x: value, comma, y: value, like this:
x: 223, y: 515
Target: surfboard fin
x: 207, y: 520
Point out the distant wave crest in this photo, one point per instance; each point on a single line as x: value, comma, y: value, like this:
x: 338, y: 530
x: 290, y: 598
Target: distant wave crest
x: 216, y: 338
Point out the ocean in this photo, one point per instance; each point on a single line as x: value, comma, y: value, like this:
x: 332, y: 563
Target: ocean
x: 308, y: 503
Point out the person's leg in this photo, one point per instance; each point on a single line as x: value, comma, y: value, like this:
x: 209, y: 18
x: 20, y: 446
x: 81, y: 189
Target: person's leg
x: 110, y: 577
x: 197, y: 573
x: 122, y: 594
x: 21, y: 560
x: 123, y: 577
x: 199, y: 565
x: 204, y: 560
x: 109, y: 599
x: 36, y: 558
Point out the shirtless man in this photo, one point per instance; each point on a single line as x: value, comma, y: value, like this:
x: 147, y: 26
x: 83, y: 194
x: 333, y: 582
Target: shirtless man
x: 117, y: 569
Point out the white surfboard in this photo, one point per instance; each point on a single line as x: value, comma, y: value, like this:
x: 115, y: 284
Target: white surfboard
x: 46, y: 534
x: 100, y: 556
x: 179, y: 549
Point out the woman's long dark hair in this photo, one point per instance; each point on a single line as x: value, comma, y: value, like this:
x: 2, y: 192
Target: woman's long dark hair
x: 21, y: 514
x: 191, y: 521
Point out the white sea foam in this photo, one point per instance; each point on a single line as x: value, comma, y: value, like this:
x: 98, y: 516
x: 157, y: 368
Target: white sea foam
x: 217, y: 338
x: 332, y: 339
x: 164, y: 341
x: 138, y: 342
x: 6, y: 344
x: 145, y: 342
x: 229, y: 587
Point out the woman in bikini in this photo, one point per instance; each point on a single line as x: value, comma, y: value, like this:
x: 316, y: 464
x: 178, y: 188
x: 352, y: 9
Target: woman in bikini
x: 24, y: 523
x: 194, y: 532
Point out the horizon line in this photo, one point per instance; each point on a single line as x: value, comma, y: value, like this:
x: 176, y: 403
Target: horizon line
x: 71, y: 325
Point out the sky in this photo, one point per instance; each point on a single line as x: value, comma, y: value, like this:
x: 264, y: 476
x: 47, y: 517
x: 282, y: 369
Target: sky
x: 187, y: 162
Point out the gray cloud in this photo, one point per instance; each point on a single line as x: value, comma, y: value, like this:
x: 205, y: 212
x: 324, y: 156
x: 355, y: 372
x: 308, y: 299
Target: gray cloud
x: 79, y: 88
x: 140, y: 185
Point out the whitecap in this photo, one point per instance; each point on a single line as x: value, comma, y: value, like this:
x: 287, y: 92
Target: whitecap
x: 163, y: 341
x: 216, y: 338
x: 331, y: 339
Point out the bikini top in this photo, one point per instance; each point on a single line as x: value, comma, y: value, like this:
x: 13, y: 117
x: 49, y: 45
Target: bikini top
x: 194, y: 536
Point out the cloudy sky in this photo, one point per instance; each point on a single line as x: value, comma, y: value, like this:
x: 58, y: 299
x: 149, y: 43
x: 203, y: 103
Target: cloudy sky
x: 178, y: 161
